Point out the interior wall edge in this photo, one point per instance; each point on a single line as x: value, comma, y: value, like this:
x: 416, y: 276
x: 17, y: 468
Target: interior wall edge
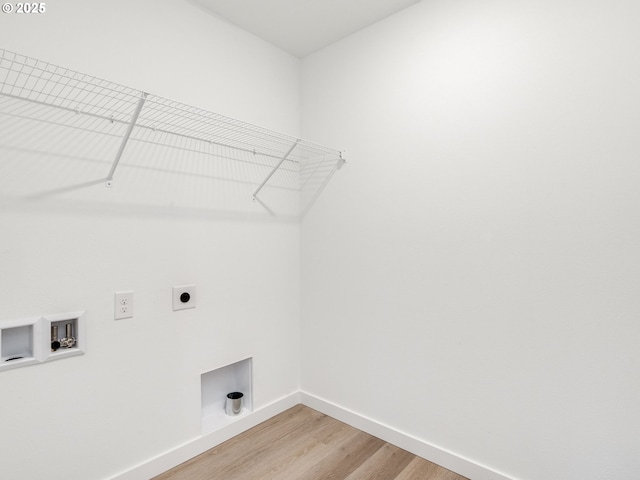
x: 198, y: 445
x: 433, y: 453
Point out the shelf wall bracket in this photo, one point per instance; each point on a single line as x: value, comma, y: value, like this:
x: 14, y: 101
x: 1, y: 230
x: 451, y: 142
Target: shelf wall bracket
x: 338, y: 165
x: 275, y: 169
x: 125, y: 139
x: 343, y: 159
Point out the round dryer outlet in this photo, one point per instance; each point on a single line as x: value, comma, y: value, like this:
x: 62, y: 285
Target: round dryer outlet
x: 184, y: 297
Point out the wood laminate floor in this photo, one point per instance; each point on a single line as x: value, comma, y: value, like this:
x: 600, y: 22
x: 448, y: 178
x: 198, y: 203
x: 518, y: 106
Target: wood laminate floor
x: 303, y: 444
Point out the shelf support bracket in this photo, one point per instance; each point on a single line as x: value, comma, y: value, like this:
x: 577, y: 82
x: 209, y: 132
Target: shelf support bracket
x: 275, y: 169
x: 125, y: 139
x: 338, y: 165
x: 343, y: 159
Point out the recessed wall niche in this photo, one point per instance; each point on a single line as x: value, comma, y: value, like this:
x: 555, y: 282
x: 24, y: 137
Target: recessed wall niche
x: 29, y: 341
x: 69, y: 335
x: 18, y: 346
x: 216, y: 384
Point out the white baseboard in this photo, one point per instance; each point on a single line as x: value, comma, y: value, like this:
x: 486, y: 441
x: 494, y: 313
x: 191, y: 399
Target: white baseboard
x: 181, y: 454
x: 440, y: 456
x: 437, y: 455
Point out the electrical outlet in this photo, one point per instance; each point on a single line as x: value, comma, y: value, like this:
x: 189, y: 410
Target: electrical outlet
x: 184, y: 297
x: 123, y: 305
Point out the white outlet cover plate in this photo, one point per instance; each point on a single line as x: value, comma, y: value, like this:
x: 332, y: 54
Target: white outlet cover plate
x: 177, y: 293
x: 123, y: 305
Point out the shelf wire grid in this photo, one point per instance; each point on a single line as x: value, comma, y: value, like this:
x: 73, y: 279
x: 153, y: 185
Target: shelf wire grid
x: 42, y: 83
x: 56, y: 96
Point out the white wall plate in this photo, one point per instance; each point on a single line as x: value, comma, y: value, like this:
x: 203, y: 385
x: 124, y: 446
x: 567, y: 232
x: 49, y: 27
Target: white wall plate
x: 123, y: 305
x: 184, y: 297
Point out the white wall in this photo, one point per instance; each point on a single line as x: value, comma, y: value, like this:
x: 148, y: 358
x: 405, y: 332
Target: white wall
x: 471, y: 277
x: 136, y: 392
x: 478, y: 258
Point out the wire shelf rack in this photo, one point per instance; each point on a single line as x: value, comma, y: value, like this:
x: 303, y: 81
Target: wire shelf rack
x: 105, y: 122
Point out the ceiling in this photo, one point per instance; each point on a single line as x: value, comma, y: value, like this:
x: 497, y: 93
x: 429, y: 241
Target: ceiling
x: 301, y: 27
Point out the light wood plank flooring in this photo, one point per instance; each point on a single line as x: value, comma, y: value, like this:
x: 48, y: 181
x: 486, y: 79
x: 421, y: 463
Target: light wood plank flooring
x: 303, y: 444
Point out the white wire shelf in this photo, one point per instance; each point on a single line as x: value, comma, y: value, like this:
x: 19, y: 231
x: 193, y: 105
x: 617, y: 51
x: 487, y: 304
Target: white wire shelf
x: 96, y: 120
